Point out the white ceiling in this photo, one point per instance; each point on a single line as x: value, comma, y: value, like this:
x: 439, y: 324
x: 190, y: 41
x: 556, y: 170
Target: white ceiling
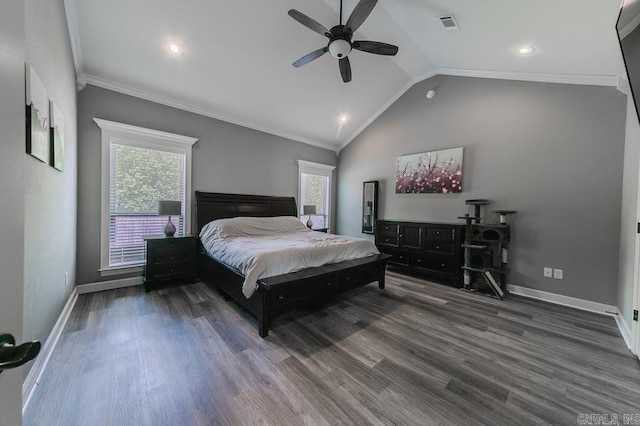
x: 237, y: 56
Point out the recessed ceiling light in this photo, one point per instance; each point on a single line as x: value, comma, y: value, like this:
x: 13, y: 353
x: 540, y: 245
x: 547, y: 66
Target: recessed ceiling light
x: 175, y: 48
x: 343, y: 118
x: 526, y: 49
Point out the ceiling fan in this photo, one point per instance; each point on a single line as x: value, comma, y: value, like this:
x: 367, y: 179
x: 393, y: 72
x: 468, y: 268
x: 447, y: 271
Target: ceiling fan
x: 340, y: 36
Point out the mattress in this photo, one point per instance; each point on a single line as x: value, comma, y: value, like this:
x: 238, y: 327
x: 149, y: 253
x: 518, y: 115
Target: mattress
x: 265, y: 247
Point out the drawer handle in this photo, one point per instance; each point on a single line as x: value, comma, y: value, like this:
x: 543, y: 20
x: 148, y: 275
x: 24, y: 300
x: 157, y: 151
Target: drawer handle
x: 347, y: 278
x: 437, y: 232
x: 437, y: 247
x: 442, y: 265
x: 173, y: 257
x: 173, y: 245
x: 280, y: 297
x: 171, y: 270
x: 329, y: 284
x: 419, y: 260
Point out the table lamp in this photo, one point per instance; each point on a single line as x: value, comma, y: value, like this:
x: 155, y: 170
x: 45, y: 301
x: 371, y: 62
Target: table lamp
x: 169, y: 208
x: 309, y: 210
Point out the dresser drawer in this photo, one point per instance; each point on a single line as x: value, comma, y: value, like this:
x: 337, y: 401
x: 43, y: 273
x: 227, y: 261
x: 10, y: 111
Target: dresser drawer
x: 439, y: 234
x: 388, y: 228
x: 400, y: 257
x: 439, y: 247
x: 388, y: 240
x: 439, y: 263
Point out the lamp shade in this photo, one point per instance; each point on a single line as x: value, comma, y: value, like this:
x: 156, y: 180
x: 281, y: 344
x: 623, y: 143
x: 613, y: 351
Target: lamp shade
x: 169, y: 208
x: 308, y: 209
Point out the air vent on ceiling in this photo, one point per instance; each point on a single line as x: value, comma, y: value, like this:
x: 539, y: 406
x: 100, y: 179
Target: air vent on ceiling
x: 449, y: 22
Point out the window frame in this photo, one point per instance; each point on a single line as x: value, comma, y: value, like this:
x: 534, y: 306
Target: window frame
x: 126, y: 134
x: 319, y: 169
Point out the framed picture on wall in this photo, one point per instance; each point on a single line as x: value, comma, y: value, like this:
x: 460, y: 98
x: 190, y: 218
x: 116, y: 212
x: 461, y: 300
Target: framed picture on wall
x: 37, y: 117
x: 430, y: 172
x: 57, y: 137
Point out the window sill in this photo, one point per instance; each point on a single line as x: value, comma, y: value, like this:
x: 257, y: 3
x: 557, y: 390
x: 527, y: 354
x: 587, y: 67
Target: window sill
x: 109, y: 272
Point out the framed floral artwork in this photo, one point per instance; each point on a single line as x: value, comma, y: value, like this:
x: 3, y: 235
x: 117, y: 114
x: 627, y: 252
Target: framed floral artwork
x: 430, y: 172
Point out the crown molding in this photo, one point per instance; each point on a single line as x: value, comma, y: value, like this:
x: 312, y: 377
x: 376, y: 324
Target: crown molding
x: 120, y: 88
x: 591, y: 80
x: 74, y: 39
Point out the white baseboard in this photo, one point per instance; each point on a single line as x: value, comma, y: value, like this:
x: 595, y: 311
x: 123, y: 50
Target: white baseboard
x: 625, y: 331
x: 585, y: 305
x: 31, y: 382
x: 109, y: 285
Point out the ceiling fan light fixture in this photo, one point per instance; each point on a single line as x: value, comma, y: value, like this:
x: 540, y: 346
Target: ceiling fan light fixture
x: 339, y: 48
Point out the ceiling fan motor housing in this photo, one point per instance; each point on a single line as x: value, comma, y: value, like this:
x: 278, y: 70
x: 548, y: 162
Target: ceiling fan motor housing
x: 340, y: 42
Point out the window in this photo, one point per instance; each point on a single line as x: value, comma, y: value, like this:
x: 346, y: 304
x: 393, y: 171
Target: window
x: 314, y: 189
x: 139, y: 168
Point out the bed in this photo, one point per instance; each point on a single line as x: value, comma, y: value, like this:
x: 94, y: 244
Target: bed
x: 282, y: 293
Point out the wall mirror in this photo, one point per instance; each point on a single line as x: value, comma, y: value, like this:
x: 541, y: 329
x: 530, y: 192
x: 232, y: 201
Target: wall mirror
x: 369, y: 206
x: 629, y: 36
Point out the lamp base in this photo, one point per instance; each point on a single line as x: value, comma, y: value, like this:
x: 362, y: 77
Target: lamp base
x: 309, y: 223
x: 170, y: 229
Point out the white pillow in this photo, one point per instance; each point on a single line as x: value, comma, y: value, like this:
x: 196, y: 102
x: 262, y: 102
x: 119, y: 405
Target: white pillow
x: 252, y: 226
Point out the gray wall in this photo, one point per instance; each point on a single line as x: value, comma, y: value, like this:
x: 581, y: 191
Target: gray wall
x: 12, y: 139
x: 50, y: 196
x: 552, y: 152
x: 226, y: 158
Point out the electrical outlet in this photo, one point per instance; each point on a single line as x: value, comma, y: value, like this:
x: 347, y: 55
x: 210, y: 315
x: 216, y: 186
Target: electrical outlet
x: 548, y: 272
x: 557, y: 274
x: 635, y: 315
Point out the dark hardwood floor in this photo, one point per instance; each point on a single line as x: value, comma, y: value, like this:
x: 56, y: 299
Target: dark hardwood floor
x: 416, y: 353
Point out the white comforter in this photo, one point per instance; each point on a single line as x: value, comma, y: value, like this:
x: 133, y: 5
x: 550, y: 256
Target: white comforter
x: 259, y: 248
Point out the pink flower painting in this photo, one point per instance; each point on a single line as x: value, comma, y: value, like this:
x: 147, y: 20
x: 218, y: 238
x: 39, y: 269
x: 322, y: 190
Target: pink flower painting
x: 430, y: 172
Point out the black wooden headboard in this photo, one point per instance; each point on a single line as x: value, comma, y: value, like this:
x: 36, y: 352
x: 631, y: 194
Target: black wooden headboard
x: 214, y: 205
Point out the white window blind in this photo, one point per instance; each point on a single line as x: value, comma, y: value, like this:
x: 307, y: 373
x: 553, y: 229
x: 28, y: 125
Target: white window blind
x: 139, y: 168
x: 314, y: 188
x: 139, y: 178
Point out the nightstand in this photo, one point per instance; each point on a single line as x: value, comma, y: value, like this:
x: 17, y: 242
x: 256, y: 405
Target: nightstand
x: 170, y: 260
x: 325, y: 230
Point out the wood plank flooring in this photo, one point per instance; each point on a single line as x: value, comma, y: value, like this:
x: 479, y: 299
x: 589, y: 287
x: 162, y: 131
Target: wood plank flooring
x: 416, y: 353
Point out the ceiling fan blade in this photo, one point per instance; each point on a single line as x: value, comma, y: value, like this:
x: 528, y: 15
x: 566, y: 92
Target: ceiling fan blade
x: 309, y: 23
x: 345, y: 69
x: 376, y: 47
x: 359, y: 15
x: 310, y: 57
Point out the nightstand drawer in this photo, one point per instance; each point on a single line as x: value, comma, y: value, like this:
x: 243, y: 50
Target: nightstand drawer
x: 180, y: 257
x: 176, y: 247
x: 161, y: 271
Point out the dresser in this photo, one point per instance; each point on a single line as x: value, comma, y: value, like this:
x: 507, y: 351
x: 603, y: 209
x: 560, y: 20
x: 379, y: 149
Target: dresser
x: 170, y: 260
x: 428, y: 249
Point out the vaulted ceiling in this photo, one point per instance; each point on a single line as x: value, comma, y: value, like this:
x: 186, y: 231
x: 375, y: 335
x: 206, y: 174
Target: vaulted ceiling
x: 236, y: 62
